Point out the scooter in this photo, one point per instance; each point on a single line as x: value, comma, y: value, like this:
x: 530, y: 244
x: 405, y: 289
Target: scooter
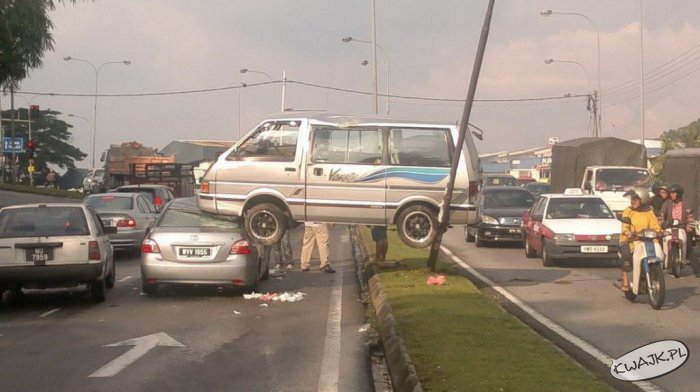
x: 675, y: 245
x: 647, y: 272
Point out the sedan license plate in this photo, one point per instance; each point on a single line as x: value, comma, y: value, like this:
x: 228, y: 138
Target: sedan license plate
x: 39, y: 256
x: 194, y: 252
x: 514, y: 231
x: 594, y: 249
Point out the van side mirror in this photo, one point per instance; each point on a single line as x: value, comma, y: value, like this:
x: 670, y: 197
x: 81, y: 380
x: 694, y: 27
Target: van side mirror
x: 626, y: 219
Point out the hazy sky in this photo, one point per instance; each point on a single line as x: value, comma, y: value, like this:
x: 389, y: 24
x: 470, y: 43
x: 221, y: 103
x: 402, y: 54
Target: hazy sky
x: 177, y: 45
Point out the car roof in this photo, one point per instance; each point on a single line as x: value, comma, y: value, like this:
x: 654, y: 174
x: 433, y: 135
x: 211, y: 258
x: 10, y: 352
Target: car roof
x: 184, y: 203
x: 501, y: 188
x: 115, y: 194
x: 142, y: 186
x: 343, y: 120
x: 34, y: 205
x: 563, y: 196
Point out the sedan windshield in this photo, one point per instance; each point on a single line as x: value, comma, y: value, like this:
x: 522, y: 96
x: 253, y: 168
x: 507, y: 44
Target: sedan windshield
x: 578, y: 208
x: 189, y: 218
x: 501, y: 181
x: 507, y: 198
x: 110, y: 203
x: 43, y: 222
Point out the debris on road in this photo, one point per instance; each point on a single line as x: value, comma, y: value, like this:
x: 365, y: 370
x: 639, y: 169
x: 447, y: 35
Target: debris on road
x: 364, y: 328
x: 236, y: 312
x: 283, y: 297
x: 436, y: 280
x: 264, y: 305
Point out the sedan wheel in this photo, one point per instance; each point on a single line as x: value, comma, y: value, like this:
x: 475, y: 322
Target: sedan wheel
x: 529, y: 251
x: 546, y: 259
x: 477, y: 240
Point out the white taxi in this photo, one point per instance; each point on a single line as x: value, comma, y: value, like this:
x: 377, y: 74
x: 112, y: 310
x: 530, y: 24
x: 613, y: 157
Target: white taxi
x: 570, y: 226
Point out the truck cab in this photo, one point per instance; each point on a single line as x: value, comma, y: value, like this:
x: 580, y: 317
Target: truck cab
x: 611, y: 183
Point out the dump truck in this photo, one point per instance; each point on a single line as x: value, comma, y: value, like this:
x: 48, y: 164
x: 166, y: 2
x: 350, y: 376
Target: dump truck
x: 120, y: 158
x: 179, y: 177
x: 606, y: 167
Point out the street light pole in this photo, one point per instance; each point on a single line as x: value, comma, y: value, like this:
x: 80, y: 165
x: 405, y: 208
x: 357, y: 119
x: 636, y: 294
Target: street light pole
x: 594, y: 97
x: 600, y: 91
x: 588, y: 75
x: 641, y: 62
x: 97, y: 76
x: 247, y: 70
x: 374, y: 56
x: 386, y: 63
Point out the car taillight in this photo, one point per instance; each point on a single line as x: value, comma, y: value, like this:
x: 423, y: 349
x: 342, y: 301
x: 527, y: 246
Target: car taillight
x: 149, y: 246
x: 473, y: 188
x: 241, y: 247
x: 126, y: 222
x: 158, y: 201
x: 94, y: 251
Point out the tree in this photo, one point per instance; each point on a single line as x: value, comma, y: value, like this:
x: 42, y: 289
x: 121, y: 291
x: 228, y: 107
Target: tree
x: 683, y: 137
x: 25, y: 34
x: 53, y: 139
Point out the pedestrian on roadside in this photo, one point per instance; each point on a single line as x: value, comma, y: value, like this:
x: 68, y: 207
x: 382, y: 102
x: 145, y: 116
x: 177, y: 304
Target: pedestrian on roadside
x: 51, y: 179
x: 381, y: 243
x: 281, y: 255
x: 315, y: 233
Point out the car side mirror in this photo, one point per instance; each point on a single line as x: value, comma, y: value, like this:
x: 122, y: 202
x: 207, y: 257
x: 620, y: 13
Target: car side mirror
x: 109, y: 230
x: 626, y: 220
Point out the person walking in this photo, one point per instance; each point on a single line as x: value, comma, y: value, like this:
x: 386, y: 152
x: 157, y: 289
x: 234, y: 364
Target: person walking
x: 381, y: 243
x: 315, y: 233
x: 281, y: 255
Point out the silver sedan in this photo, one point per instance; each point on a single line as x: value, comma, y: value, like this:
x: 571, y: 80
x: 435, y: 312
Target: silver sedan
x: 54, y: 245
x: 132, y: 214
x: 194, y: 247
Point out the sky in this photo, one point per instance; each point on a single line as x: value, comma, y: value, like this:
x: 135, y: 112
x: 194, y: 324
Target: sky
x: 428, y: 47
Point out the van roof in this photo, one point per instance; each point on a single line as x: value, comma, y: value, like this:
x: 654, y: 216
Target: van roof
x: 351, y: 120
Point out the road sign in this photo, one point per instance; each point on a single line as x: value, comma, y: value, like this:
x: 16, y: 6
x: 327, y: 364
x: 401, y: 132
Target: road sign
x: 31, y: 168
x: 10, y: 145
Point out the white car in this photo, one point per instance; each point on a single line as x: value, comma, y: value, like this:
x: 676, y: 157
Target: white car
x: 570, y: 226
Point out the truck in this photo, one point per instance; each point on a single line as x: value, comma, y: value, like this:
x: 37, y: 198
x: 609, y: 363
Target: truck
x: 606, y: 167
x: 683, y: 167
x: 179, y: 177
x: 119, y: 159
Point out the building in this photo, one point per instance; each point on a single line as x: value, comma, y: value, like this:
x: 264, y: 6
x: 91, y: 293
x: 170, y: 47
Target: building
x: 531, y: 163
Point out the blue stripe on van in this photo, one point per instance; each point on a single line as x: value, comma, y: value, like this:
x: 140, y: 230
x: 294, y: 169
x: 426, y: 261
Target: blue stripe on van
x: 426, y: 175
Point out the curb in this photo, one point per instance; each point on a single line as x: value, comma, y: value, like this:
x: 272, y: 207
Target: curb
x: 402, y: 372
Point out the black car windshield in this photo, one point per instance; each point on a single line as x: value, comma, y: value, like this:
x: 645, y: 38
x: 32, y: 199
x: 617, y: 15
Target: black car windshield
x: 110, y: 203
x: 507, y: 198
x: 578, y: 208
x: 43, y: 221
x: 189, y: 218
x: 501, y: 181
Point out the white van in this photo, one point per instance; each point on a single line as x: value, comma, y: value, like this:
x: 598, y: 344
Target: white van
x: 342, y: 169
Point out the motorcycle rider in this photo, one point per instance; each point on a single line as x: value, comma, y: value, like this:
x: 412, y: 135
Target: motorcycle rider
x: 642, y: 217
x: 660, y: 191
x: 674, y: 209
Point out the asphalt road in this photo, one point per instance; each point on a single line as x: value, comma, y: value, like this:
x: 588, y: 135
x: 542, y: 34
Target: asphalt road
x: 203, y: 339
x: 580, y: 296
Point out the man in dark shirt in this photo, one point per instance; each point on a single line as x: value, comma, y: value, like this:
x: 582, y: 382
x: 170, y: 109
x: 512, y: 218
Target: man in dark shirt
x: 660, y: 191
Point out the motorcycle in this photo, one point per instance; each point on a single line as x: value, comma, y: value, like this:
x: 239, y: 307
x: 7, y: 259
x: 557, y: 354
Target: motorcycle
x: 675, y: 238
x: 647, y: 261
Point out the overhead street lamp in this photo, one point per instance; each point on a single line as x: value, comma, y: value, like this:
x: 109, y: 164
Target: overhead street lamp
x: 600, y: 91
x: 89, y: 127
x: 247, y: 70
x: 594, y: 97
x: 97, y: 78
x: 365, y: 62
x: 588, y: 76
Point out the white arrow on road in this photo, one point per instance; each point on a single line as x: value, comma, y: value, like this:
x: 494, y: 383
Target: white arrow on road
x: 142, y: 345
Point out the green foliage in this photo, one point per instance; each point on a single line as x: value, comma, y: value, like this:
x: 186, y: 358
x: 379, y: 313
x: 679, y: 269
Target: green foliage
x: 54, y: 141
x: 683, y: 137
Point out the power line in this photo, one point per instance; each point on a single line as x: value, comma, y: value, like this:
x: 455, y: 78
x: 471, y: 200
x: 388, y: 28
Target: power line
x: 692, y: 71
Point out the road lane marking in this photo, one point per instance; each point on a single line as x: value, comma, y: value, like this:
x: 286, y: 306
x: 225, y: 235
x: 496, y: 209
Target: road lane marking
x: 588, y: 348
x: 330, y: 364
x: 124, y: 279
x: 50, y: 312
x: 142, y: 346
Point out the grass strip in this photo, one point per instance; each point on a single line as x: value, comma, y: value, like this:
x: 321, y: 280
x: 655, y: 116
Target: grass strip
x: 42, y: 191
x: 461, y: 340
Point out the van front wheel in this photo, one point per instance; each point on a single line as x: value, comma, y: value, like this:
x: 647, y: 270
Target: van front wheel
x: 265, y: 223
x: 417, y: 226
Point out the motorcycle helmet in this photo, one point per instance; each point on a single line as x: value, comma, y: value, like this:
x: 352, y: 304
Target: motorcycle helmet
x: 658, y: 186
x: 677, y: 189
x: 638, y: 193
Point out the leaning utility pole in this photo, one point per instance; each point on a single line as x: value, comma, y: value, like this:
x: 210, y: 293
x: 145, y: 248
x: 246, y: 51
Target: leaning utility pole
x: 444, y: 216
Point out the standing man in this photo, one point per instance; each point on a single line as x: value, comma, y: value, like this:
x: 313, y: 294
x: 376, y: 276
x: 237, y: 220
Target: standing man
x: 315, y: 233
x: 381, y: 243
x: 281, y: 255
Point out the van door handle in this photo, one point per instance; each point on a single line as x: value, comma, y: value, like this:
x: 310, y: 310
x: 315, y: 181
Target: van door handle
x: 318, y: 171
x: 290, y: 169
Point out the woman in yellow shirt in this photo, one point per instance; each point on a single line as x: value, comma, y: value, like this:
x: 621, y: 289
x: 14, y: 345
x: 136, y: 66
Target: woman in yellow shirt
x: 642, y: 217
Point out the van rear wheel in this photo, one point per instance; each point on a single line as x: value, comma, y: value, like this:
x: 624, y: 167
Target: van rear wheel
x: 265, y: 223
x: 417, y: 226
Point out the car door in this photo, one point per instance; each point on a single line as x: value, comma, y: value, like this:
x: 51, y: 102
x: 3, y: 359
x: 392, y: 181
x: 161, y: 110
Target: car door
x: 345, y: 175
x: 101, y: 237
x: 532, y: 222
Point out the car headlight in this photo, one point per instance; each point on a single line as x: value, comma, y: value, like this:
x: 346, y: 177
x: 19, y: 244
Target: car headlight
x: 489, y: 220
x: 564, y: 237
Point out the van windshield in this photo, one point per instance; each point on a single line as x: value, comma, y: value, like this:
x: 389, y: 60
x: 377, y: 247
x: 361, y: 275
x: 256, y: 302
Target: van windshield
x: 619, y: 179
x: 274, y: 141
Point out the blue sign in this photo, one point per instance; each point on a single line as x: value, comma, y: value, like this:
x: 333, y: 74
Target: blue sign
x: 10, y: 145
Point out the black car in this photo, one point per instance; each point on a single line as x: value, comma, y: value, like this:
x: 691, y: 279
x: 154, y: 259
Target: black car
x: 500, y: 215
x: 538, y: 188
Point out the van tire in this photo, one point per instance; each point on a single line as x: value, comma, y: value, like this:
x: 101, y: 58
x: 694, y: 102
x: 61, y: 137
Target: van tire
x: 417, y: 226
x: 265, y: 223
x: 98, y: 290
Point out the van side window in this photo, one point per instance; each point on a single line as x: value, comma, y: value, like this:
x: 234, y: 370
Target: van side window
x: 350, y: 146
x: 419, y: 147
x: 272, y: 141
